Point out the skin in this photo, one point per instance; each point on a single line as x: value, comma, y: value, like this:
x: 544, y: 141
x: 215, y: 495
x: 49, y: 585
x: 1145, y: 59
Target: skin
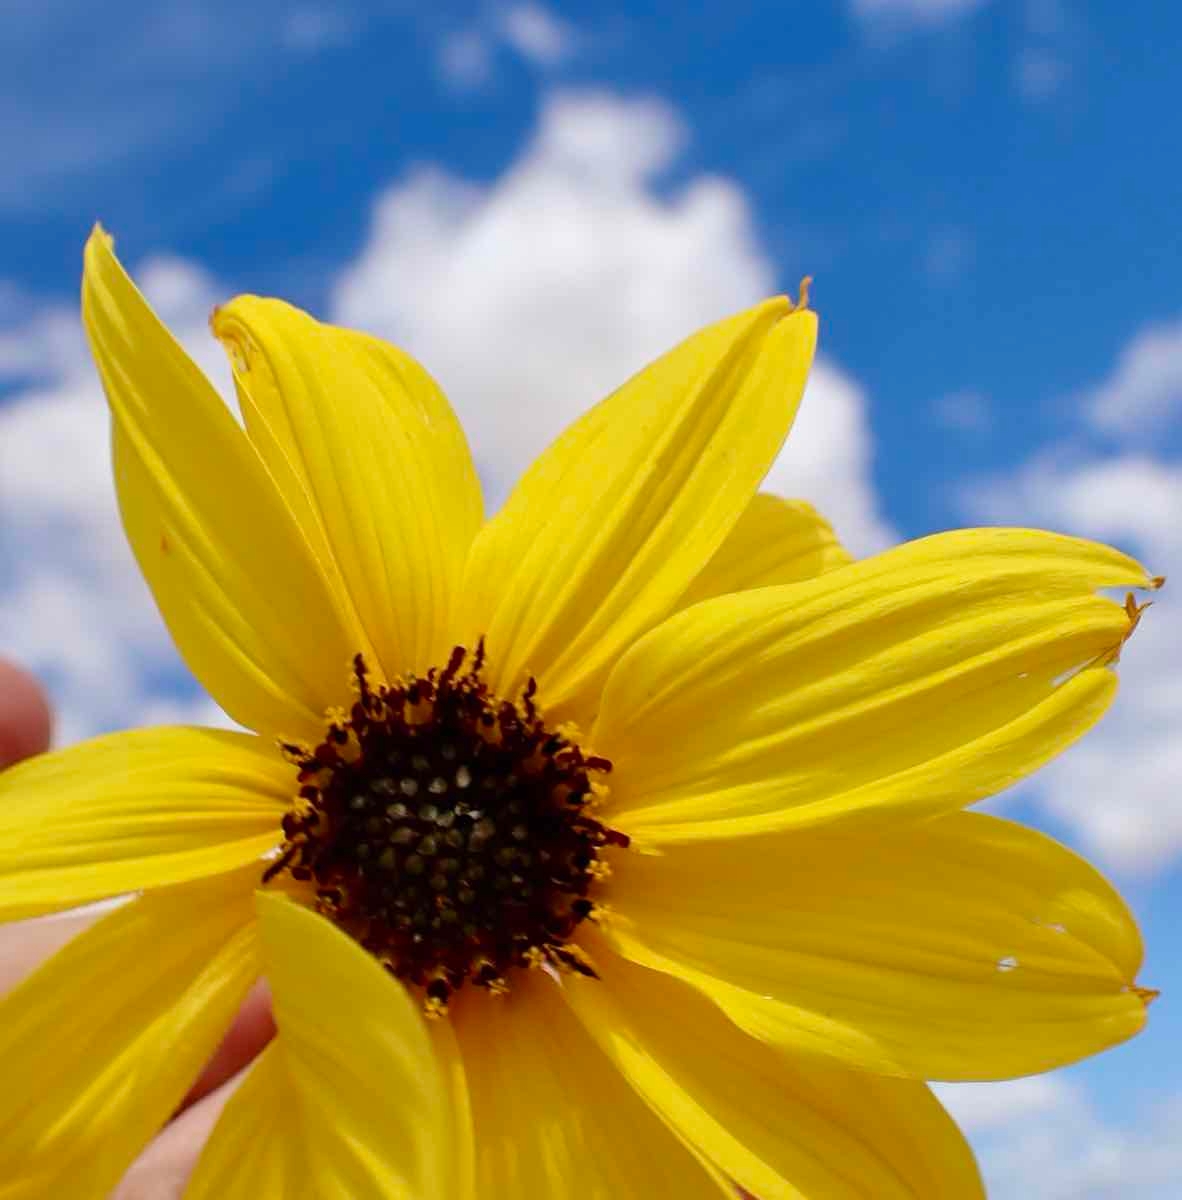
x: 162, y: 1170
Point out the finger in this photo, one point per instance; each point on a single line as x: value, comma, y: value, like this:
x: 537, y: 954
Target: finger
x: 252, y: 1029
x: 163, y: 1170
x: 25, y: 719
x: 24, y: 730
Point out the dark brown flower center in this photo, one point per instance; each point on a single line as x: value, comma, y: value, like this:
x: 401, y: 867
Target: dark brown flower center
x: 450, y: 832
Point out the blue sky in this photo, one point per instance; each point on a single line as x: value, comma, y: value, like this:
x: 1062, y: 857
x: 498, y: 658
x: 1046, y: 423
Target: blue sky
x: 536, y: 199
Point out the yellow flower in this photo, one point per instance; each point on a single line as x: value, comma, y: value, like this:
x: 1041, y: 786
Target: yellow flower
x: 642, y: 787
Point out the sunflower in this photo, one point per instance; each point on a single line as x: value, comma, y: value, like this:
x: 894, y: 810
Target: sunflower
x: 610, y: 847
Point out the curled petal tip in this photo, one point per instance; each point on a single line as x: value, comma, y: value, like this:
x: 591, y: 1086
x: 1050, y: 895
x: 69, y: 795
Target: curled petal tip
x: 1134, y: 612
x: 1146, y: 995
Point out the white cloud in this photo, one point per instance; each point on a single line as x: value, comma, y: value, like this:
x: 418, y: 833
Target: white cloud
x: 965, y: 411
x: 313, y: 28
x: 1131, y: 498
x: 1045, y: 18
x: 532, y: 298
x: 1118, y: 789
x: 1143, y: 393
x: 536, y: 33
x: 34, y: 349
x: 1040, y: 74
x: 466, y: 58
x: 1055, y: 41
x: 980, y: 1107
x: 192, y: 710
x: 1042, y: 1137
x: 153, y: 75
x: 949, y: 253
x: 913, y: 11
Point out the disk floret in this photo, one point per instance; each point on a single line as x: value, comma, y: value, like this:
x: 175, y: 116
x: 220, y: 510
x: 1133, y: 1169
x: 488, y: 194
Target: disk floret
x: 449, y: 831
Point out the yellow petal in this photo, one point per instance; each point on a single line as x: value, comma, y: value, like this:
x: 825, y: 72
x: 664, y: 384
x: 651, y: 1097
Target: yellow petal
x: 350, y: 1100
x: 256, y: 1149
x: 102, y: 1042
x: 374, y: 464
x: 779, y: 1124
x: 609, y: 527
x: 966, y: 947
x: 455, y: 1080
x: 553, y: 1117
x: 238, y: 586
x: 775, y: 541
x: 135, y: 810
x: 915, y: 682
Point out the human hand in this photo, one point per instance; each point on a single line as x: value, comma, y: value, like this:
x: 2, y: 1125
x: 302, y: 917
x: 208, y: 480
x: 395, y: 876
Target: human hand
x: 162, y: 1170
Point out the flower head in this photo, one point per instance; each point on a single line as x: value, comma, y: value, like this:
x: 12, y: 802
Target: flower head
x: 642, y: 786
x: 449, y: 831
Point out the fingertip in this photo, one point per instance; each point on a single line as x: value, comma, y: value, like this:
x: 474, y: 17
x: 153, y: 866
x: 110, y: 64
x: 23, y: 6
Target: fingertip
x: 25, y: 718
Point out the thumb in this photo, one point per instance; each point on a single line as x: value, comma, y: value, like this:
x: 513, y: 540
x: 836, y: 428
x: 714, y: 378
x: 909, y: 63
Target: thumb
x: 25, y: 720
